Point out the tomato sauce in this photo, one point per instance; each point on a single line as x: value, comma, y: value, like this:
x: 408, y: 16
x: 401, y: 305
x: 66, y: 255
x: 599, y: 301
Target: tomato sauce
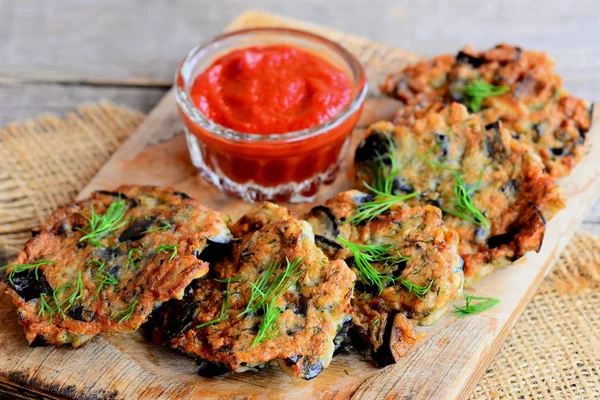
x: 271, y: 89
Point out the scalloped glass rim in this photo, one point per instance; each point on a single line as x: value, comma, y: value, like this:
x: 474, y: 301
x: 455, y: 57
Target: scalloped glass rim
x: 359, y: 80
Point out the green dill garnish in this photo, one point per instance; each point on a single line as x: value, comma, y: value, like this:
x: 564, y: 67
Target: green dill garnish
x: 381, y: 203
x: 125, y: 314
x: 384, y: 174
x: 470, y: 307
x: 45, y: 309
x: 268, y: 328
x: 225, y: 304
x: 267, y: 289
x: 165, y: 248
x: 365, y: 254
x: 131, y: 262
x: 478, y: 90
x: 18, y: 268
x: 346, y: 372
x: 462, y: 202
x: 105, y: 279
x: 99, y: 263
x: 158, y: 228
x: 376, y: 320
x: 71, y: 299
x: 100, y: 225
x: 416, y: 289
x: 271, y: 241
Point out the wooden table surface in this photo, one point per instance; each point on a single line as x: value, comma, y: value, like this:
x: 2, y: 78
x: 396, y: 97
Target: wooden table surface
x: 57, y: 54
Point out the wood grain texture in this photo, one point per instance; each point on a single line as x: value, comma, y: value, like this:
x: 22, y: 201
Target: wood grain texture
x: 443, y: 366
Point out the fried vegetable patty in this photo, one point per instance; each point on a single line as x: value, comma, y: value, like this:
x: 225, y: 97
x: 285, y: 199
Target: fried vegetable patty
x: 102, y: 264
x: 277, y: 297
x: 418, y: 271
x: 527, y: 96
x: 494, y: 192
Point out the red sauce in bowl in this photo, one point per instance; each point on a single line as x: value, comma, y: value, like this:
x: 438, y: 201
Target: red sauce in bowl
x: 271, y: 89
x: 269, y: 121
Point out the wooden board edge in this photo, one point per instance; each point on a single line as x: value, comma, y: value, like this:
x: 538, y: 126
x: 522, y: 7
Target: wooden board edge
x: 12, y: 389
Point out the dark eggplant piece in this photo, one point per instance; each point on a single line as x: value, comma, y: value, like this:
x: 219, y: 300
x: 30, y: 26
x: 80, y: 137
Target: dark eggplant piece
x: 327, y: 219
x: 493, y: 141
x: 80, y: 314
x: 107, y: 253
x: 182, y: 196
x: 467, y: 59
x: 511, y: 187
x: 35, y: 232
x: 342, y: 341
x: 499, y: 240
x: 28, y: 285
x: 64, y: 229
x: 308, y: 371
x: 209, y: 369
x: 558, y: 151
x: 363, y: 198
x: 327, y: 246
x: 136, y: 230
x: 375, y: 147
x: 400, y: 185
x: 383, y: 355
x: 214, y: 251
x: 112, y: 193
x: 171, y: 319
x: 442, y: 141
x: 39, y: 341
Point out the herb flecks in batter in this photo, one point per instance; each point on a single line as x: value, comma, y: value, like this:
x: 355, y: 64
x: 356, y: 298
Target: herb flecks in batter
x: 475, y: 305
x: 165, y: 248
x: 18, y: 268
x: 100, y: 225
x: 366, y: 212
x: 125, y: 314
x: 462, y: 203
x: 478, y: 90
x: 133, y: 262
x: 224, y: 305
x: 418, y: 291
x: 386, y: 169
x: 364, y: 255
x: 45, y: 309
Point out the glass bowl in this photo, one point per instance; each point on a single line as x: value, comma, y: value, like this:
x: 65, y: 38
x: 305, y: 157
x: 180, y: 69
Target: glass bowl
x: 288, y: 166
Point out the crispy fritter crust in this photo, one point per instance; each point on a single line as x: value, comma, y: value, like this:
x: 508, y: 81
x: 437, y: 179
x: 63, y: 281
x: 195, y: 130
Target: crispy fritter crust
x: 314, y: 308
x: 152, y: 279
x: 515, y: 193
x: 418, y: 233
x: 537, y: 109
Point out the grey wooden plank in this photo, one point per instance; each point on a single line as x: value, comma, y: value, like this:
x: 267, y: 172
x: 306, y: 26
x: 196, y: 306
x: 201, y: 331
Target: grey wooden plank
x: 18, y: 102
x: 142, y: 41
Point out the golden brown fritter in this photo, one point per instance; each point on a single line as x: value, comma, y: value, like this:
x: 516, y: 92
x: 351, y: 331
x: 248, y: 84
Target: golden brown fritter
x: 504, y: 181
x: 538, y: 111
x: 235, y: 320
x: 417, y: 233
x: 104, y: 263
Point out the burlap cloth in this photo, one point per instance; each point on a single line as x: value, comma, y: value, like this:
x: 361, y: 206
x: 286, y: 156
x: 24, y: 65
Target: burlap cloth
x: 553, y: 351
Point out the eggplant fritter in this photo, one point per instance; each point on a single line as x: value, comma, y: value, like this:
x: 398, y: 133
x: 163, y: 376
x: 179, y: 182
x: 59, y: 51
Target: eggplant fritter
x: 429, y: 259
x: 102, y: 264
x: 277, y: 297
x: 535, y: 107
x: 493, y: 190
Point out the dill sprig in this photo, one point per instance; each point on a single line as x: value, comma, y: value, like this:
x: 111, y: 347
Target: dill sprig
x: 105, y: 279
x: 475, y: 305
x: 125, y: 314
x: 224, y: 305
x: 381, y: 203
x: 71, y: 299
x: 462, y: 202
x: 268, y: 327
x: 478, y: 90
x: 267, y: 289
x: 158, y: 228
x: 18, y: 268
x: 384, y: 174
x: 365, y: 254
x: 165, y: 248
x: 100, y: 225
x: 131, y: 262
x: 417, y: 290
x: 45, y: 309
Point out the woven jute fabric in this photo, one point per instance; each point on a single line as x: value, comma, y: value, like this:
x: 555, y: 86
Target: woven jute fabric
x: 552, y: 353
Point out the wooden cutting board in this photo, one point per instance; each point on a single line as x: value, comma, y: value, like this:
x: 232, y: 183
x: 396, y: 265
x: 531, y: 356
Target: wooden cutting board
x: 446, y: 364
